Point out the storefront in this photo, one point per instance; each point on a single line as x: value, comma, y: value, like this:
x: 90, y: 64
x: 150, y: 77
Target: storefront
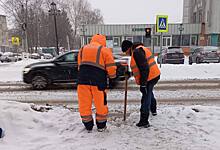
x: 115, y: 34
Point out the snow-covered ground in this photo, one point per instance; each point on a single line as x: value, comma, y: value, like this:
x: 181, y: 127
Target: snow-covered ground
x: 13, y: 71
x: 174, y: 128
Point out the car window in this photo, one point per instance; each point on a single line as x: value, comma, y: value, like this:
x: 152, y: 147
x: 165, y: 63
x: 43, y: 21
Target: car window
x: 70, y: 57
x: 173, y: 50
x: 210, y: 48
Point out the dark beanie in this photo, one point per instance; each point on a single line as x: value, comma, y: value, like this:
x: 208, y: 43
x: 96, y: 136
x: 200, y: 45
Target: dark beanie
x: 126, y: 45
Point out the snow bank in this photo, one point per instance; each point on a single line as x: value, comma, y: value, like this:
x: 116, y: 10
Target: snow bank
x: 13, y: 71
x: 175, y: 127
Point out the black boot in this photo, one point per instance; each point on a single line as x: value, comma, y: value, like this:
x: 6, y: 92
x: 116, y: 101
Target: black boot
x: 143, y: 120
x: 1, y: 133
x: 101, y: 126
x: 89, y: 125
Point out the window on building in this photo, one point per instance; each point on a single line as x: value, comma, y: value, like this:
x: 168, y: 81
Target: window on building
x: 194, y: 18
x: 156, y: 38
x: 167, y: 41
x: 129, y: 38
x: 218, y: 40
x: 138, y: 38
x: 116, y: 41
x: 89, y: 39
x: 186, y: 40
x: 147, y: 42
x: 209, y: 40
x: 176, y: 40
x: 194, y: 40
x: 200, y: 16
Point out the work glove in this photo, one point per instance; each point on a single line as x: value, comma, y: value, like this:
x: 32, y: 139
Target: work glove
x: 111, y: 83
x: 143, y: 89
x: 128, y: 74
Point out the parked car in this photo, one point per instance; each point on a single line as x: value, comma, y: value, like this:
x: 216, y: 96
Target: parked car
x: 47, y: 56
x: 62, y: 69
x: 35, y: 56
x: 171, y: 55
x: 205, y: 54
x: 18, y: 56
x: 8, y: 57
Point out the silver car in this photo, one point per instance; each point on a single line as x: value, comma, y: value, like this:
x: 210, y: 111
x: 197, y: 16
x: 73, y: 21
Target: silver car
x: 205, y: 54
x: 8, y: 57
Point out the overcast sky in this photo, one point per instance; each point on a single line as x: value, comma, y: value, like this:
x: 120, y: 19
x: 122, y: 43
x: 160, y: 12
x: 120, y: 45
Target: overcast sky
x: 138, y: 11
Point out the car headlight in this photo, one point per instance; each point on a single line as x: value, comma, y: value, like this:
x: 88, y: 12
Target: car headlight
x: 26, y: 70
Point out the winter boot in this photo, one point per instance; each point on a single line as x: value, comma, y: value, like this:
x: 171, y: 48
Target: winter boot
x: 143, y: 120
x: 89, y: 125
x: 1, y: 133
x: 154, y: 113
x: 102, y: 129
x: 101, y: 126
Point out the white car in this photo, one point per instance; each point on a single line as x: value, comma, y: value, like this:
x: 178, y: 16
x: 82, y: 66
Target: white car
x: 35, y: 56
x: 8, y: 57
x: 47, y: 56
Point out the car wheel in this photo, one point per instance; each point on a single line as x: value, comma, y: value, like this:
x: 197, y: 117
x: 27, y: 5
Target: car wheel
x: 197, y: 61
x: 39, y: 82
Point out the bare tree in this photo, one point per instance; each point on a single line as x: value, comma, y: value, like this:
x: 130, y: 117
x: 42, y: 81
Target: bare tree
x: 81, y: 13
x: 39, y: 26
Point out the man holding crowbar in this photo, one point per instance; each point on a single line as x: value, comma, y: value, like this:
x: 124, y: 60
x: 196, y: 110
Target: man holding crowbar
x: 147, y: 74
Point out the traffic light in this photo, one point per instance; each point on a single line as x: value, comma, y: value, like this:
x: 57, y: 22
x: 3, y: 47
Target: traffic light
x: 148, y: 32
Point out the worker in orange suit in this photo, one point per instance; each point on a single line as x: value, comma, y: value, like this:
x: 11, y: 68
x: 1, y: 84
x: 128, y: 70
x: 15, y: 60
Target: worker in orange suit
x: 147, y: 74
x: 96, y: 65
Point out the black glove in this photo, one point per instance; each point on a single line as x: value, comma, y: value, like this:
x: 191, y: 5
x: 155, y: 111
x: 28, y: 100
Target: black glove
x: 111, y: 83
x: 143, y: 89
x: 128, y: 74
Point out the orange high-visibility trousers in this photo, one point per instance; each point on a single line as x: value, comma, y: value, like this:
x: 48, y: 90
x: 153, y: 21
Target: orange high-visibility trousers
x: 87, y: 93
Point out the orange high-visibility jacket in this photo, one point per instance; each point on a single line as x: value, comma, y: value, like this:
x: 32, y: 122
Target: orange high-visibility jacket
x: 154, y: 71
x: 95, y: 61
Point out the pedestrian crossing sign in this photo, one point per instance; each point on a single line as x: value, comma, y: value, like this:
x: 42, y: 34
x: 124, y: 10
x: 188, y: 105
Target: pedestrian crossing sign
x: 162, y: 23
x: 15, y: 41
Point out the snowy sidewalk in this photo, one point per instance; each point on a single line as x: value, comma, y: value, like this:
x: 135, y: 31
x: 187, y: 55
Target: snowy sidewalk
x: 175, y: 128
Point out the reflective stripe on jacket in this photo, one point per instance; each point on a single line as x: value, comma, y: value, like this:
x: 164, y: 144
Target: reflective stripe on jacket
x: 96, y: 62
x: 153, y: 67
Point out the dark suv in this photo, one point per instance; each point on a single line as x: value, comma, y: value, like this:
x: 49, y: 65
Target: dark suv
x: 172, y: 55
x: 205, y: 54
x: 62, y: 69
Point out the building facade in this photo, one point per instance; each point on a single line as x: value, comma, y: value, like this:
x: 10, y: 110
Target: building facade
x: 188, y: 36
x: 4, y: 45
x: 207, y: 12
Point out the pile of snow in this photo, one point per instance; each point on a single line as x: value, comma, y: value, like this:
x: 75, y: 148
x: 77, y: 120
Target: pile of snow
x: 13, y: 71
x: 175, y: 127
x: 194, y: 71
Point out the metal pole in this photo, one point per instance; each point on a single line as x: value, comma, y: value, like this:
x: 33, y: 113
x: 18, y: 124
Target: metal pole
x: 26, y: 36
x: 161, y: 44
x: 83, y: 30
x: 125, y: 100
x: 181, y: 38
x: 153, y: 38
x: 55, y: 24
x: 68, y: 42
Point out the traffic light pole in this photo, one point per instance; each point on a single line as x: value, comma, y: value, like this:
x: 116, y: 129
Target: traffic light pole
x: 152, y: 39
x: 161, y: 44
